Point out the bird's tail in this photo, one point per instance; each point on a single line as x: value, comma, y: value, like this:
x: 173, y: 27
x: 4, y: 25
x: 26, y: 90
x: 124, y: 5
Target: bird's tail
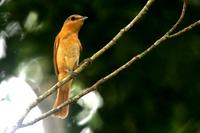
x: 62, y: 96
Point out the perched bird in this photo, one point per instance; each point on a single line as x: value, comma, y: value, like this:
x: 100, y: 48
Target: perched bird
x: 67, y: 48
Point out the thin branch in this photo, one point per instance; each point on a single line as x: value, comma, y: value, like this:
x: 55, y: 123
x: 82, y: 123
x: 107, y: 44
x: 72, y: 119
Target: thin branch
x: 195, y: 24
x: 87, y: 62
x: 180, y: 18
x: 111, y: 75
x: 125, y: 29
x: 179, y: 21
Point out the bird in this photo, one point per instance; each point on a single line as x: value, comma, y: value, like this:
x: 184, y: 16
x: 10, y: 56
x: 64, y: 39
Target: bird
x: 66, y: 53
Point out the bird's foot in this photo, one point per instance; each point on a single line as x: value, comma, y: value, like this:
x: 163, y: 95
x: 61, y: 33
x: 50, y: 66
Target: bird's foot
x: 72, y: 73
x: 87, y: 60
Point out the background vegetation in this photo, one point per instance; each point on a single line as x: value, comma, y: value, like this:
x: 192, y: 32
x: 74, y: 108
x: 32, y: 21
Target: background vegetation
x: 158, y: 94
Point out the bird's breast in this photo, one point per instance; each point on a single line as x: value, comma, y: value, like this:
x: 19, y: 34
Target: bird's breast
x: 68, y: 52
x: 70, y: 47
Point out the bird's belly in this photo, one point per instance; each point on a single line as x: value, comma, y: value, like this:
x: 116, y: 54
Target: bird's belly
x: 67, y: 57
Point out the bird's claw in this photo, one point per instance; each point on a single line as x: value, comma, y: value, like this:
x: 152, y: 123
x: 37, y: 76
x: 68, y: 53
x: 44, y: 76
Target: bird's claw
x: 87, y: 60
x: 72, y: 73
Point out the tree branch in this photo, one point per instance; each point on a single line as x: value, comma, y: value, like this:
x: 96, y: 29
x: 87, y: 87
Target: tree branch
x: 121, y: 68
x: 86, y: 62
x: 180, y: 18
x: 195, y: 24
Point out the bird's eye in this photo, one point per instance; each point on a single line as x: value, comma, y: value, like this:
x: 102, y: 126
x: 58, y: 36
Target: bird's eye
x: 73, y: 18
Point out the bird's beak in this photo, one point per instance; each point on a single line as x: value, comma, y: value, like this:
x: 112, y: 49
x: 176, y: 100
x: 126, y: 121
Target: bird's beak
x: 84, y: 18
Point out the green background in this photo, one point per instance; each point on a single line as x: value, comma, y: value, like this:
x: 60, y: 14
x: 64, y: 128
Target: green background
x: 158, y: 94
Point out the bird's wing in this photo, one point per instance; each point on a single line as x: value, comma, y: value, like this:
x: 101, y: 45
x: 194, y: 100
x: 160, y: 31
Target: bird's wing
x: 81, y: 48
x: 56, y: 43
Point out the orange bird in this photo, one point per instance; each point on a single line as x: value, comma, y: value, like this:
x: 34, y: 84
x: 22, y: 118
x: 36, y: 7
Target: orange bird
x: 67, y: 48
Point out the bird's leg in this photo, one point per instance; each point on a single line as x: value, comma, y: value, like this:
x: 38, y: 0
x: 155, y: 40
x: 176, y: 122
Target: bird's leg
x: 87, y: 60
x: 71, y: 73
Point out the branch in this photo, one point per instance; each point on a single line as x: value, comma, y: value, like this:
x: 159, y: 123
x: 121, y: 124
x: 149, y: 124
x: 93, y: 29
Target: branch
x: 86, y: 62
x: 180, y: 18
x: 116, y: 72
x: 185, y: 29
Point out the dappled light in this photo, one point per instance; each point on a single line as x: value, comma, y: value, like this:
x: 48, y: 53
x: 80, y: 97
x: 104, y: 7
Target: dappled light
x: 2, y: 2
x: 31, y: 22
x: 2, y: 46
x: 90, y: 104
x: 140, y: 72
x: 15, y: 96
x: 86, y: 130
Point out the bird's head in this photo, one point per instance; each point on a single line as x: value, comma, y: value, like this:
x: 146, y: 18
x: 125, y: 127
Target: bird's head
x: 74, y: 22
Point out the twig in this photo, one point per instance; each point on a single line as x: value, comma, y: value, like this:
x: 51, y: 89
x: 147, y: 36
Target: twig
x: 185, y: 29
x: 114, y: 73
x: 180, y: 18
x: 87, y: 62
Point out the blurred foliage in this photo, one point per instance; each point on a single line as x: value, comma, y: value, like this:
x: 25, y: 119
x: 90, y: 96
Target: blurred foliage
x: 158, y: 94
